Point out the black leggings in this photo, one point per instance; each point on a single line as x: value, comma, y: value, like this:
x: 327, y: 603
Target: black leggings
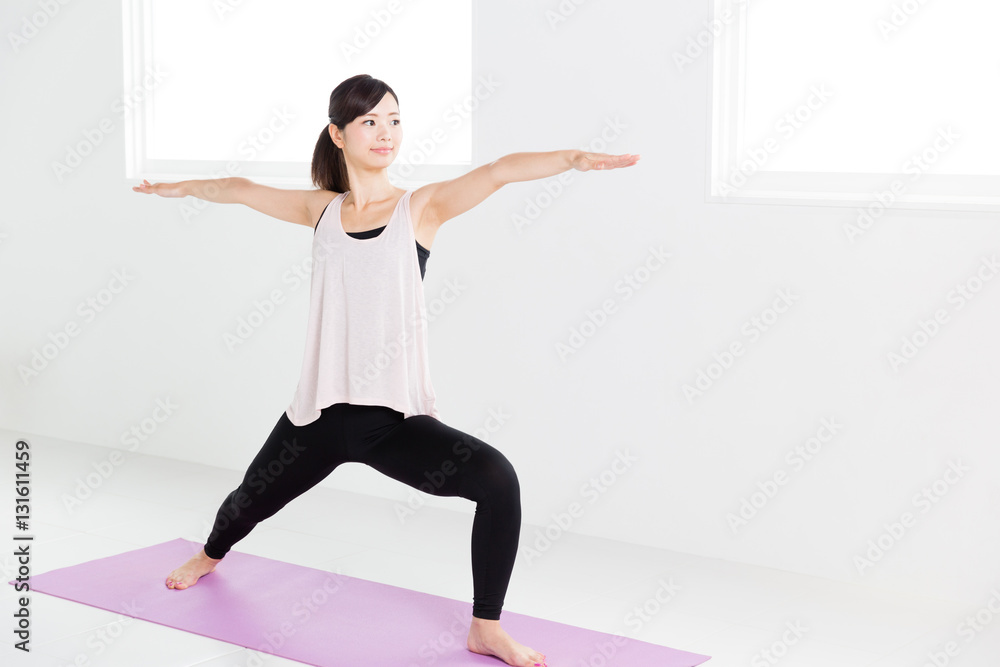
x: 419, y: 451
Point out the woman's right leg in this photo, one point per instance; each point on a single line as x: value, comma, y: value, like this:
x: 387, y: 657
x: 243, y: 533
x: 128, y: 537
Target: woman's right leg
x: 293, y: 460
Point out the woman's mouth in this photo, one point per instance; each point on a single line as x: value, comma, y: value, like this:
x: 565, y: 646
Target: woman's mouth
x: 383, y: 151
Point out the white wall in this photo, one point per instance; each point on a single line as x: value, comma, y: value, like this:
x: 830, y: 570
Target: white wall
x: 494, y: 347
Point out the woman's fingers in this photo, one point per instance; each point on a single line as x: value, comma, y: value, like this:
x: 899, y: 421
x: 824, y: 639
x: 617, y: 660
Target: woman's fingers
x: 606, y: 161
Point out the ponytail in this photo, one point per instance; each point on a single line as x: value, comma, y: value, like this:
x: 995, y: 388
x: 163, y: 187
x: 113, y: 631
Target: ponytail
x: 329, y: 170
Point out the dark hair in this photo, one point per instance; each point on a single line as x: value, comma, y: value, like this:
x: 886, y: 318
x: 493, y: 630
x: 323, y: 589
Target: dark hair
x: 352, y: 98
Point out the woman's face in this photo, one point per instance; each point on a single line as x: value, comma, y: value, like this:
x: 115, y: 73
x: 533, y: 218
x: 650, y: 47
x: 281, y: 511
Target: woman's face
x: 372, y: 139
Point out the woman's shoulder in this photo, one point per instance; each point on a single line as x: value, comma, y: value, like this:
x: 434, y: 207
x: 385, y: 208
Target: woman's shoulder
x: 323, y: 197
x: 318, y: 201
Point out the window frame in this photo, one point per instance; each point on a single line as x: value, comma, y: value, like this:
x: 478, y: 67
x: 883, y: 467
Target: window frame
x: 727, y: 152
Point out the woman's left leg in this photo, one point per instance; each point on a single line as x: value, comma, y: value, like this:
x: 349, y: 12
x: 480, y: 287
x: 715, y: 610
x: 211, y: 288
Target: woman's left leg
x: 426, y: 454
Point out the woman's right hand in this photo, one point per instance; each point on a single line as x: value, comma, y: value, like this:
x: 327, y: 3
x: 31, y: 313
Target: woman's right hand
x: 162, y: 189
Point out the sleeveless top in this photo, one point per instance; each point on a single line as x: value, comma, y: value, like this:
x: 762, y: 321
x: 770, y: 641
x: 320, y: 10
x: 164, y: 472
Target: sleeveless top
x: 366, y: 337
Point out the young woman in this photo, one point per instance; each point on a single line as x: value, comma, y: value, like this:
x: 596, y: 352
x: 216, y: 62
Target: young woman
x: 365, y: 393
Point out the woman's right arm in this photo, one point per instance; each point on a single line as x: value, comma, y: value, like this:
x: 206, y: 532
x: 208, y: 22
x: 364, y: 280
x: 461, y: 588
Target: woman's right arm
x: 289, y: 205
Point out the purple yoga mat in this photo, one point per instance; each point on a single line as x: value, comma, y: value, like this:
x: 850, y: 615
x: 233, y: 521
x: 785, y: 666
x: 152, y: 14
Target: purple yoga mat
x: 323, y: 618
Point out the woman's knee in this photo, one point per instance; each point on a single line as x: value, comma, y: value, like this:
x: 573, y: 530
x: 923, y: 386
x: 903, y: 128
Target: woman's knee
x: 496, y: 475
x: 489, y: 470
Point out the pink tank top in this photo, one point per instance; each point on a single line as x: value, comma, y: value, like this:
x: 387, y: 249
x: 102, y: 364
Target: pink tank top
x: 366, y: 339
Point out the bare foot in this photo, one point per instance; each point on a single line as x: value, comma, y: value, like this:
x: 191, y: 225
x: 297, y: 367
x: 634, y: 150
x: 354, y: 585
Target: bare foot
x: 190, y: 572
x: 488, y: 638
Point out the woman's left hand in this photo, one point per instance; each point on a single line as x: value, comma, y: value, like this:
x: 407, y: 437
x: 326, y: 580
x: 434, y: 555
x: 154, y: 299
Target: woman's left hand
x: 587, y: 161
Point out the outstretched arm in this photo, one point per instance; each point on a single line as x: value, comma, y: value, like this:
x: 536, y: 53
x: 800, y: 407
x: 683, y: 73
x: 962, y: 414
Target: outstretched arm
x: 532, y: 166
x: 448, y: 199
x: 298, y: 206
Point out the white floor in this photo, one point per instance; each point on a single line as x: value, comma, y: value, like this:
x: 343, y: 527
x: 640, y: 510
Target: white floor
x: 729, y: 611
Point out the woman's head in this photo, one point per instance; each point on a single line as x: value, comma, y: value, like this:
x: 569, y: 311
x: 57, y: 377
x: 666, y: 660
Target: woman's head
x: 352, y: 131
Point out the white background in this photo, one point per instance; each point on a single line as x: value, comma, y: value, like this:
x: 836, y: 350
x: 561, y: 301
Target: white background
x: 494, y: 348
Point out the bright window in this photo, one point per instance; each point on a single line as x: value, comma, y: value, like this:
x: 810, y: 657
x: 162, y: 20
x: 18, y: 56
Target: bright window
x: 233, y: 87
x: 846, y: 102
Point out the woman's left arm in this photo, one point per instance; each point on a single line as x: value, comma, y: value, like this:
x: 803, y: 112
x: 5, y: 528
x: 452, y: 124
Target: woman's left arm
x: 532, y: 166
x: 448, y: 199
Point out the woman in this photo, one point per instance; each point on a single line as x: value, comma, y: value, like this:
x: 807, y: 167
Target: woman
x: 365, y: 394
